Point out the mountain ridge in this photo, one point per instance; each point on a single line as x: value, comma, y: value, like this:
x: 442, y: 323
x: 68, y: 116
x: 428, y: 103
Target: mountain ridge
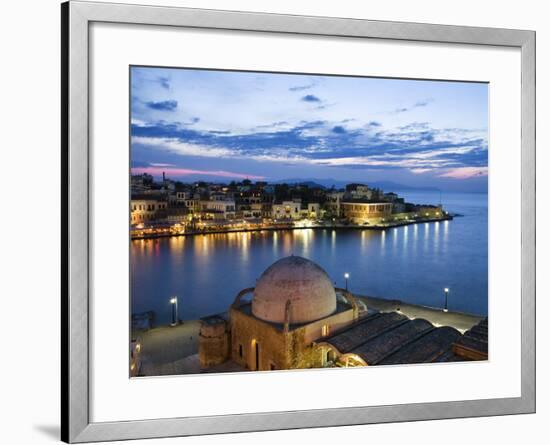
x: 329, y: 182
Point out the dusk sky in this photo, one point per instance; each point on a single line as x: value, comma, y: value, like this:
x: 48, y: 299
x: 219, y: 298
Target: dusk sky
x: 222, y: 125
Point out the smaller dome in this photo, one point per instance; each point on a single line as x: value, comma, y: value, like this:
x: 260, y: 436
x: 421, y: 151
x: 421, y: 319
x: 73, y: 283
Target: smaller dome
x: 298, y: 280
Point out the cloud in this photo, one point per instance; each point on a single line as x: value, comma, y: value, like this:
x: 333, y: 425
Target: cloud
x: 465, y: 172
x: 310, y: 98
x: 164, y: 82
x: 160, y: 164
x: 338, y: 129
x: 183, y: 148
x: 418, y: 104
x: 166, y: 105
x: 273, y: 125
x: 419, y: 171
x: 422, y: 103
x: 419, y: 148
x: 415, y: 126
x: 324, y: 106
x: 139, y: 163
x: 301, y: 87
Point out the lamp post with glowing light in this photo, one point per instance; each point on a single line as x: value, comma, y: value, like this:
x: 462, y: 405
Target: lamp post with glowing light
x: 174, y: 302
x: 346, y: 276
x: 446, y: 290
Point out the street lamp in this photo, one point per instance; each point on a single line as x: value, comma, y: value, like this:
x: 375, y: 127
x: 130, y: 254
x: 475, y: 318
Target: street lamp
x: 346, y: 276
x: 174, y: 302
x: 446, y: 290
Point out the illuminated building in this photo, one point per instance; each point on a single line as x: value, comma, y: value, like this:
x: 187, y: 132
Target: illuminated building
x: 362, y: 211
x: 293, y: 305
x: 296, y: 318
x: 286, y: 210
x: 145, y: 209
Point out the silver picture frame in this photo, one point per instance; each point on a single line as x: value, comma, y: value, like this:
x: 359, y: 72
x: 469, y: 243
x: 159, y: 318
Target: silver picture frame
x: 75, y: 396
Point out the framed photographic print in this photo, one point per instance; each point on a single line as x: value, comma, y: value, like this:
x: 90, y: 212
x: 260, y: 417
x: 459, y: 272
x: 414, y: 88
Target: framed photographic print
x: 292, y: 222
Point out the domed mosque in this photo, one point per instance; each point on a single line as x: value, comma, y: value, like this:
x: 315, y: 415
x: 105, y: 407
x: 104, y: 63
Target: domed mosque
x: 296, y: 318
x: 293, y: 290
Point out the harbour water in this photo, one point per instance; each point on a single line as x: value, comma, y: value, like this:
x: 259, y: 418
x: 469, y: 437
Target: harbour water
x: 412, y: 263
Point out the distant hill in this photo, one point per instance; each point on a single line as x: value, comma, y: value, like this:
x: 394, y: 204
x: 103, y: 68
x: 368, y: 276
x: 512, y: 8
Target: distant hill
x: 308, y: 182
x: 329, y: 182
x: 389, y: 186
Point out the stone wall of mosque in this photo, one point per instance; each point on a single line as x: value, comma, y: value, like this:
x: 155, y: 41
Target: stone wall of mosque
x: 214, y: 342
x: 275, y: 349
x: 256, y: 344
x: 328, y: 325
x: 302, y: 354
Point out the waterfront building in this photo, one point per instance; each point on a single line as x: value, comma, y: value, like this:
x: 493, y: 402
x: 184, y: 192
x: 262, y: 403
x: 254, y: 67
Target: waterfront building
x: 311, y: 210
x: 249, y: 204
x: 359, y: 191
x: 287, y: 210
x: 169, y: 185
x: 193, y: 204
x: 144, y: 208
x: 252, y: 211
x: 266, y: 209
x: 295, y: 318
x: 428, y: 211
x: 140, y: 183
x: 332, y: 204
x: 182, y: 196
x: 176, y: 215
x: 366, y: 211
x: 218, y: 196
x: 314, y: 210
x: 399, y: 206
x: 223, y: 210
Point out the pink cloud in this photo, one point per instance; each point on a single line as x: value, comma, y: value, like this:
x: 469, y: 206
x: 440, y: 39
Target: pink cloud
x: 465, y: 172
x: 157, y: 171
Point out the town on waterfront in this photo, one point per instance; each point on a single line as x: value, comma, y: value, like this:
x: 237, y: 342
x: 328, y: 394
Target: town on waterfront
x: 289, y: 221
x: 168, y: 207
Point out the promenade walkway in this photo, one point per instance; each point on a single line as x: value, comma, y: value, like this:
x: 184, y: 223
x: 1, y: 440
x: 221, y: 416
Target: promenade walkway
x: 166, y: 350
x: 151, y: 233
x: 458, y: 320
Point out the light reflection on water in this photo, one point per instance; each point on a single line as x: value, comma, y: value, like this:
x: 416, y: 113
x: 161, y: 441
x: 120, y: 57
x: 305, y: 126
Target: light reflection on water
x: 411, y: 263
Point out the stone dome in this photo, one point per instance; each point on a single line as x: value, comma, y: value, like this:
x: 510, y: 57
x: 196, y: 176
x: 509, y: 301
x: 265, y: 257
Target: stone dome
x: 298, y: 280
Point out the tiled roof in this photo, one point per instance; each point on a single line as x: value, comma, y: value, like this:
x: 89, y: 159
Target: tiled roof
x: 474, y: 344
x: 392, y: 338
x: 364, y: 330
x: 428, y: 348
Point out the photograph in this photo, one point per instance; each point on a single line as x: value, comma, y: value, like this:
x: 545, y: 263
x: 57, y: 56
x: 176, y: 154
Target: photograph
x: 275, y: 222
x: 289, y: 221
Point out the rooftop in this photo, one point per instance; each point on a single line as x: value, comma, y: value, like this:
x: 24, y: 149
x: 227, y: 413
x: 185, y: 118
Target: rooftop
x: 364, y: 201
x: 386, y: 338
